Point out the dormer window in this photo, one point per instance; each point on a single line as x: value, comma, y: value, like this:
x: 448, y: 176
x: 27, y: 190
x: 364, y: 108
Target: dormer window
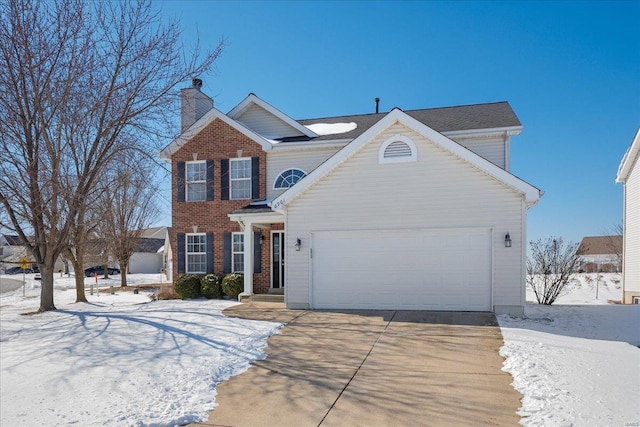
x: 288, y: 178
x: 398, y: 149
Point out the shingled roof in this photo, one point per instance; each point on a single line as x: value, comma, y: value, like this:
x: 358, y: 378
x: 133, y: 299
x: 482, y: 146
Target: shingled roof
x: 444, y: 119
x: 601, y: 245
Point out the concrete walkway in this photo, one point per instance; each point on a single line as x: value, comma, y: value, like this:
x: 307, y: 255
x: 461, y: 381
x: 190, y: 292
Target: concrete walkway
x: 371, y: 368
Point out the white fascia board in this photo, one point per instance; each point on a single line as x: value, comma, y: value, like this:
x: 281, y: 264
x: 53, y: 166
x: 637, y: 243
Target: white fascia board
x: 203, y: 122
x: 470, y: 133
x: 254, y: 99
x: 258, y: 218
x: 531, y: 194
x: 629, y: 159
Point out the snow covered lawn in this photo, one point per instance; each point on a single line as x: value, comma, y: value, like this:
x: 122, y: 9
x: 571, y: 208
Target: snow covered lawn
x: 121, y: 360
x: 577, y: 362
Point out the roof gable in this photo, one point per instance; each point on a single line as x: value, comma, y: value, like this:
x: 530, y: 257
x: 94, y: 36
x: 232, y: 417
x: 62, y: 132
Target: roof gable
x: 202, y: 123
x: 601, y: 245
x: 531, y: 194
x: 630, y: 159
x: 252, y: 111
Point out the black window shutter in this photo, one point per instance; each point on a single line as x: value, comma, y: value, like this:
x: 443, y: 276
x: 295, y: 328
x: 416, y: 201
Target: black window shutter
x: 224, y: 179
x: 257, y: 252
x: 209, y: 251
x: 209, y: 180
x: 255, y: 177
x: 226, y: 253
x: 181, y: 253
x: 180, y: 181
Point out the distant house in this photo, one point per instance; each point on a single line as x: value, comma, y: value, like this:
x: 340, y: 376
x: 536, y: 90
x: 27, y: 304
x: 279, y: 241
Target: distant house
x: 12, y: 249
x: 601, y: 254
x: 148, y: 256
x: 629, y: 176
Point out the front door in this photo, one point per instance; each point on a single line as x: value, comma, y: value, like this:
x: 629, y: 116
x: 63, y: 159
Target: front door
x: 277, y: 259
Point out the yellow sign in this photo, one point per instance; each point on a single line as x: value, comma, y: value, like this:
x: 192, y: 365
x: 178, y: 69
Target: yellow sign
x: 24, y: 263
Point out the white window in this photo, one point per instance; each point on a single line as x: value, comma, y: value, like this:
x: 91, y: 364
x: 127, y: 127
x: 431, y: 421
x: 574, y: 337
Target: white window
x: 398, y: 149
x: 196, y: 179
x: 240, y: 176
x: 287, y: 178
x: 196, y: 253
x: 237, y: 252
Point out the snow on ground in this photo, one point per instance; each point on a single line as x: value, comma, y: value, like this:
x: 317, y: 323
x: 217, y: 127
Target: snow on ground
x: 577, y: 362
x: 121, y: 360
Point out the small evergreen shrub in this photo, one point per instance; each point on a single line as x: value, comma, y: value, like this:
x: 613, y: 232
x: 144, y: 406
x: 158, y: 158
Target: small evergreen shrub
x: 211, y: 286
x: 188, y: 286
x: 233, y: 284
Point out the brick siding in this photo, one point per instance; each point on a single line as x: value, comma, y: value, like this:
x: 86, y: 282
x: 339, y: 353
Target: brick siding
x: 218, y: 141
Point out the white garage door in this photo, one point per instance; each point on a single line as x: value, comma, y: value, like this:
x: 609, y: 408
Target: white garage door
x: 402, y: 269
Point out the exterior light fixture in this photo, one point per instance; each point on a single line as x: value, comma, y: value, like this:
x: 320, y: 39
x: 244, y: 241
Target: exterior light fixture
x: 507, y: 240
x: 298, y: 244
x: 261, y: 238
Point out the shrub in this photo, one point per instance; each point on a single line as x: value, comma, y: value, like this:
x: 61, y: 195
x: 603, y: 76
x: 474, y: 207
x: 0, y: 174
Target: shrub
x: 188, y: 286
x: 211, y: 286
x: 233, y: 284
x: 550, y: 266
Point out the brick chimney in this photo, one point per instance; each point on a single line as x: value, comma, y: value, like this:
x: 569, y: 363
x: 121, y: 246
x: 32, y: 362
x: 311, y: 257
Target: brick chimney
x: 194, y: 103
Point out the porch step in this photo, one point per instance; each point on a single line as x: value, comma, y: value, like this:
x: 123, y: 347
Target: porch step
x: 265, y: 298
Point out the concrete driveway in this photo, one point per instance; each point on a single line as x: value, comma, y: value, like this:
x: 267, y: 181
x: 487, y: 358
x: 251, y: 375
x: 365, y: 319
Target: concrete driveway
x: 371, y: 368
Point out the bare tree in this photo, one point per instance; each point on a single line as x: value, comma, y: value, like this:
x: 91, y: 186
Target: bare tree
x: 550, y: 266
x: 130, y: 198
x: 79, y: 81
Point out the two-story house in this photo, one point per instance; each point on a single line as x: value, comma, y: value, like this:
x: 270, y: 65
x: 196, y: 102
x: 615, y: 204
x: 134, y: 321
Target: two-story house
x: 398, y: 210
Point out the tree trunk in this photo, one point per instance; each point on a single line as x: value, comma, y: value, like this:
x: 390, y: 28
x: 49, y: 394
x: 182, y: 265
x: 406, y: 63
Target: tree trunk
x: 76, y: 262
x: 46, y: 289
x: 123, y: 274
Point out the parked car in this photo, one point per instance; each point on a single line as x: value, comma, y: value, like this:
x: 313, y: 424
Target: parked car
x: 90, y: 271
x: 17, y: 270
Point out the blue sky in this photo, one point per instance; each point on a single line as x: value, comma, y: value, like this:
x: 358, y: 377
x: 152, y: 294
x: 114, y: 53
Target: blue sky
x: 570, y: 70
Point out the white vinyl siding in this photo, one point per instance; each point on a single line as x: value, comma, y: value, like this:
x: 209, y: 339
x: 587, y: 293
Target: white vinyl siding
x: 265, y: 123
x: 196, y: 181
x: 196, y: 252
x: 306, y: 160
x: 631, y: 261
x: 443, y: 192
x: 240, y: 178
x: 493, y: 150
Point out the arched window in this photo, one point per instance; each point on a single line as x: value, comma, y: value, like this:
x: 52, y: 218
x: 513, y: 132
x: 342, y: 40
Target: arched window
x: 287, y: 178
x: 397, y: 149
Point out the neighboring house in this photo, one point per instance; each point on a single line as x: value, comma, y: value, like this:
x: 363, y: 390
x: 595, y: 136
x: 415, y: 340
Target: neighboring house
x: 148, y: 256
x: 600, y: 254
x: 11, y: 250
x: 629, y: 176
x: 397, y: 210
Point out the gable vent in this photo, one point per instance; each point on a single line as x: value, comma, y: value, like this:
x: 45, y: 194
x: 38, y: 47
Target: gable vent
x: 397, y: 149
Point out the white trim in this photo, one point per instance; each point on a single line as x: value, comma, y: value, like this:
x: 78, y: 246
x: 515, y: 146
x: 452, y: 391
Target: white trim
x: 231, y: 179
x: 501, y: 131
x: 531, y: 193
x: 630, y: 157
x: 382, y: 152
x: 203, y: 122
x: 287, y: 170
x: 252, y: 99
x: 187, y: 182
x: 186, y: 253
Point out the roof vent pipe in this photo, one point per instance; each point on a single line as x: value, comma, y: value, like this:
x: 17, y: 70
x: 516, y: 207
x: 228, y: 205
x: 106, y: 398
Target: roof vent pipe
x: 377, y: 104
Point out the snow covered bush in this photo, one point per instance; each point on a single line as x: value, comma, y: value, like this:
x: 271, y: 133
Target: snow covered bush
x: 550, y: 266
x: 188, y: 286
x: 211, y: 286
x: 233, y: 284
